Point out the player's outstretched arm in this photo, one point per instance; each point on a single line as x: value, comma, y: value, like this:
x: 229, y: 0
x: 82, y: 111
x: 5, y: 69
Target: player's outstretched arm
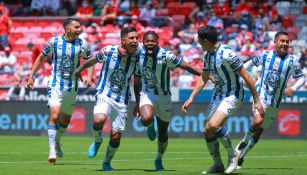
x: 184, y: 65
x: 88, y: 63
x: 39, y: 60
x: 89, y: 80
x: 251, y: 86
x: 299, y: 83
x: 199, y: 86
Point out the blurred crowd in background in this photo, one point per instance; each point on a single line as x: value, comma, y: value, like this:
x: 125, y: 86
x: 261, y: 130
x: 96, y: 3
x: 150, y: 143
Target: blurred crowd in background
x: 247, y: 26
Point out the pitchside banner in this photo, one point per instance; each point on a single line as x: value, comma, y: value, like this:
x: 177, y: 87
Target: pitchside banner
x: 31, y: 118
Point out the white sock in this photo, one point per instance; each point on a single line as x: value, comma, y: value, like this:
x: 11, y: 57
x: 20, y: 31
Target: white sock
x: 251, y: 143
x: 109, y: 154
x: 214, y: 150
x: 226, y: 142
x: 161, y: 149
x: 52, y: 132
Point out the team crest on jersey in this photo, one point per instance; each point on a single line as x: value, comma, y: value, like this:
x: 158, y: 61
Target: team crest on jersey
x: 272, y: 80
x: 117, y: 79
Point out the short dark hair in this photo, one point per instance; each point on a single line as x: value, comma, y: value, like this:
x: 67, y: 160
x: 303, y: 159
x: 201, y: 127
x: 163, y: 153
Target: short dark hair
x: 124, y: 32
x: 280, y: 33
x: 151, y: 32
x: 208, y: 32
x: 69, y: 20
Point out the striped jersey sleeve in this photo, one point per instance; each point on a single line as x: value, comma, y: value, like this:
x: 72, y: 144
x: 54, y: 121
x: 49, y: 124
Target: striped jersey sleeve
x: 234, y: 61
x: 48, y: 48
x: 85, y: 51
x: 258, y: 60
x: 172, y: 60
x: 103, y: 54
x: 296, y: 70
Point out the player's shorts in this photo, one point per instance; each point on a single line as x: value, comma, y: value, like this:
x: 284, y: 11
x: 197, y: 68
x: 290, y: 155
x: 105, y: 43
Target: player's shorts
x: 117, y: 112
x: 270, y: 114
x: 65, y: 99
x: 161, y: 104
x: 227, y: 105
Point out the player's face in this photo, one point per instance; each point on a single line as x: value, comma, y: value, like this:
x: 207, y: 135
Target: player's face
x: 74, y: 29
x: 204, y: 44
x: 150, y: 42
x: 282, y: 44
x: 130, y: 42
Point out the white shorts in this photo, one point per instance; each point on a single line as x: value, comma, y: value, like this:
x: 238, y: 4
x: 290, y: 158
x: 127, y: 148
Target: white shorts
x: 161, y: 104
x: 227, y: 105
x: 270, y: 114
x: 117, y: 112
x: 65, y: 99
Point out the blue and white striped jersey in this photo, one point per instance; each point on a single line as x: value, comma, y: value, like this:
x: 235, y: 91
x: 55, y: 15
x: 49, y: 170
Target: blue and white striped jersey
x: 116, y: 73
x: 155, y: 70
x: 223, y: 64
x: 274, y: 75
x: 65, y: 58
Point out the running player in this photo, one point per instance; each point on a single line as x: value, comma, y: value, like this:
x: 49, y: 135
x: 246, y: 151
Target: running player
x: 66, y: 51
x: 155, y: 95
x: 277, y: 67
x: 113, y: 91
x: 226, y: 67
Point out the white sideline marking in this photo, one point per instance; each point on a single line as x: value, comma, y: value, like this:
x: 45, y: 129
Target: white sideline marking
x: 85, y: 153
x: 129, y: 160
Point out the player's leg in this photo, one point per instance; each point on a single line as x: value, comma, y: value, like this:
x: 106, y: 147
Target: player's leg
x: 118, y: 127
x: 111, y: 150
x: 147, y: 114
x: 102, y: 110
x: 67, y: 106
x: 52, y: 132
x: 99, y: 120
x: 162, y: 143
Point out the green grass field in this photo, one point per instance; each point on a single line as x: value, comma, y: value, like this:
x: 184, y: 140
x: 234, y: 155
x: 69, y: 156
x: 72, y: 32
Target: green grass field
x: 28, y: 156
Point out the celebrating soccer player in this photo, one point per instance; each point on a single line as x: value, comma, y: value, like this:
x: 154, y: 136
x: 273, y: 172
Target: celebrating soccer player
x: 113, y: 91
x: 66, y: 51
x: 226, y: 67
x: 277, y: 67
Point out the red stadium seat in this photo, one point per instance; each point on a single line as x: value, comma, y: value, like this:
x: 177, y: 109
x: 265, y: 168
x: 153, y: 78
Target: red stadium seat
x: 38, y: 41
x: 19, y: 47
x: 29, y: 23
x: 23, y: 59
x: 36, y: 29
x: 43, y: 23
x: 50, y: 29
x: 173, y: 7
x: 17, y: 23
x: 20, y: 29
x: 288, y: 21
x: 22, y: 41
x: 46, y: 35
x: 189, y: 4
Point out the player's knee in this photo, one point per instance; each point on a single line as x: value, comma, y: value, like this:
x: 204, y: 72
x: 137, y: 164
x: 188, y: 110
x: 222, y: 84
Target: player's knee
x: 212, y: 127
x: 146, y: 120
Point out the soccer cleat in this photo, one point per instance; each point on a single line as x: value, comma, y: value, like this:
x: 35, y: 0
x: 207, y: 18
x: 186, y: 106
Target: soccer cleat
x: 159, y: 165
x: 232, y: 164
x: 151, y: 133
x: 107, y: 167
x: 239, y: 148
x: 93, y: 149
x: 240, y: 162
x: 58, y: 150
x: 52, y: 156
x: 214, y: 169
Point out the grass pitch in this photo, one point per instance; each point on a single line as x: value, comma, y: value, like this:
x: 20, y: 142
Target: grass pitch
x: 28, y: 156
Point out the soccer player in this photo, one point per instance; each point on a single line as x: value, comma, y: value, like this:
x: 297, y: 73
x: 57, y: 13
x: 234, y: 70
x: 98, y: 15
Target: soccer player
x: 66, y: 51
x: 113, y: 91
x: 277, y: 67
x: 155, y: 95
x: 226, y: 67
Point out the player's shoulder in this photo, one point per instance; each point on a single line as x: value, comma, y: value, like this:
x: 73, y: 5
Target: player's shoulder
x: 227, y: 52
x: 109, y: 48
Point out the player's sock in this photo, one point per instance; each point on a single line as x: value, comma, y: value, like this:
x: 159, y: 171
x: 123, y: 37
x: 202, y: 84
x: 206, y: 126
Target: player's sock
x: 162, y: 146
x: 60, y: 131
x: 97, y: 133
x: 111, y: 150
x: 251, y: 143
x: 214, y: 150
x: 248, y: 134
x: 52, y: 132
x: 223, y: 136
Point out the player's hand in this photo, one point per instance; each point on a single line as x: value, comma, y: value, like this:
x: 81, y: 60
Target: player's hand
x: 89, y: 82
x: 289, y: 92
x: 136, y: 111
x: 30, y: 83
x: 186, y: 105
x: 259, y: 107
x: 122, y: 51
